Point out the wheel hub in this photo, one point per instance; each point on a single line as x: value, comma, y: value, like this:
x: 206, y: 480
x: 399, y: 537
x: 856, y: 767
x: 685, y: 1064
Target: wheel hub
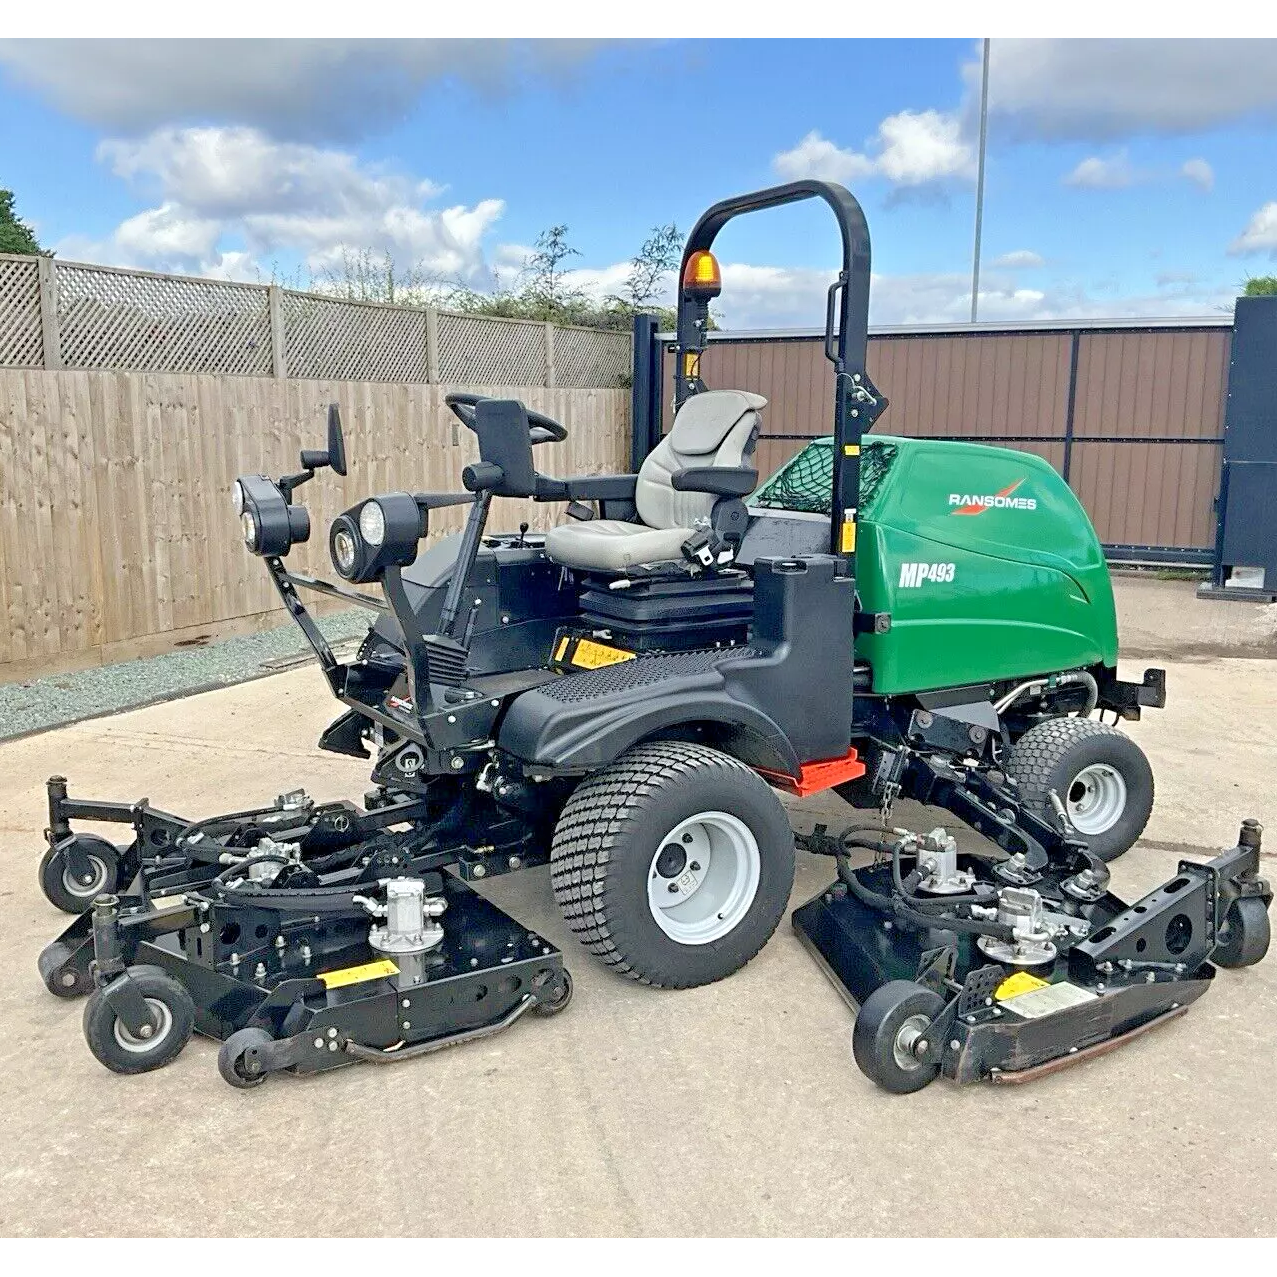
x: 1096, y: 799
x: 149, y: 1034
x: 905, y: 1047
x: 86, y: 884
x: 703, y: 877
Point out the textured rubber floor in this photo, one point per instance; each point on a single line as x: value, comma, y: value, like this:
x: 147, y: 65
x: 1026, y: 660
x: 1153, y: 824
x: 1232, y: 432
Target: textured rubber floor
x: 604, y: 818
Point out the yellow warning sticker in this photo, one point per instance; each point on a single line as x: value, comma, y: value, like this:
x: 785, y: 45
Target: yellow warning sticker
x: 590, y: 655
x: 1014, y: 985
x: 357, y: 975
x: 851, y: 450
x: 847, y: 544
x: 561, y: 650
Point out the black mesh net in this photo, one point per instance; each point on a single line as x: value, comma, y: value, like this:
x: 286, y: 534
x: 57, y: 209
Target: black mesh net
x: 806, y: 482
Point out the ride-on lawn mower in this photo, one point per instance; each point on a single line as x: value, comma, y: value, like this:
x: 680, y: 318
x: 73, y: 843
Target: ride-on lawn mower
x: 623, y: 697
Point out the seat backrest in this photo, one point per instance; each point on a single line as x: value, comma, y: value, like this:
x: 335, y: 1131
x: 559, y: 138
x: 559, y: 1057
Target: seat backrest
x: 714, y: 428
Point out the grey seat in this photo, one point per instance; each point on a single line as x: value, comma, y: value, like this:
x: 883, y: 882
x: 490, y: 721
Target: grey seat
x: 716, y: 428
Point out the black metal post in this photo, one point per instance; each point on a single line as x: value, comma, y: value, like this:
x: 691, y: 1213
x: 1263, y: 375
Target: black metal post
x: 645, y: 391
x: 1069, y: 410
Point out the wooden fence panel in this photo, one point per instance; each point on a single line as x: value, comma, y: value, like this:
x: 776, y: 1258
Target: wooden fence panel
x: 117, y: 535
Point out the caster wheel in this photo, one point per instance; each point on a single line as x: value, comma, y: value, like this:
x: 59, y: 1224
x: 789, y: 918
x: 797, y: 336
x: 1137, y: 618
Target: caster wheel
x: 72, y: 894
x: 892, y: 1020
x: 1244, y: 937
x: 62, y: 979
x: 238, y: 1061
x: 172, y: 1023
x: 556, y: 999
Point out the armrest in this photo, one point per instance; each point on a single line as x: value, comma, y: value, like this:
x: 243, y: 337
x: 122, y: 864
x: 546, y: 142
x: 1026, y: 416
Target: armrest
x: 597, y: 487
x: 438, y: 500
x: 720, y: 481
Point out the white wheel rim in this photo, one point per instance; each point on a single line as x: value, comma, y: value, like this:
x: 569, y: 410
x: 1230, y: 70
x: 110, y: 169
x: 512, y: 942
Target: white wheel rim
x: 91, y: 888
x: 703, y: 877
x: 162, y: 1018
x: 1096, y: 799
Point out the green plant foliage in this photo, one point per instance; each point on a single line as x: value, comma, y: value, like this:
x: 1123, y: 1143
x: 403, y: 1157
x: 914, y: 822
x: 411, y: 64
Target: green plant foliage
x: 1261, y: 286
x: 15, y: 235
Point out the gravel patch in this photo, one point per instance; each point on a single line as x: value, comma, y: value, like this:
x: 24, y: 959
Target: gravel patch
x: 107, y: 689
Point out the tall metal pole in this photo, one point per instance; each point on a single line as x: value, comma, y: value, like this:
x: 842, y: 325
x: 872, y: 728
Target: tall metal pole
x: 979, y: 183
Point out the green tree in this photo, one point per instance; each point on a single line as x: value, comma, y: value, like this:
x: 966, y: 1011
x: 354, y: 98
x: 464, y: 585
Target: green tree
x: 661, y: 253
x: 15, y: 235
x: 546, y: 272
x: 1261, y: 286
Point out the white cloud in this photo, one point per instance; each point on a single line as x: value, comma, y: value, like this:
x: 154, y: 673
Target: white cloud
x: 779, y: 297
x: 230, y: 196
x: 1019, y: 259
x: 1104, y: 89
x: 1103, y: 174
x: 1260, y: 235
x: 1199, y: 172
x: 294, y: 88
x: 910, y: 148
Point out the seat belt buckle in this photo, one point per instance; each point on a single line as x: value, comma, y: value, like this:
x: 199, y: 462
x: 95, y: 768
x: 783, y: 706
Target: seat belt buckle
x: 699, y: 549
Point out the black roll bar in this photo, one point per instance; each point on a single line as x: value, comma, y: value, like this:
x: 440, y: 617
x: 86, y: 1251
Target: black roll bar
x: 857, y: 405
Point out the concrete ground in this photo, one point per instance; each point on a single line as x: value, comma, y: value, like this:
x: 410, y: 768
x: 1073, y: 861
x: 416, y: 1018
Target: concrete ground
x: 733, y: 1109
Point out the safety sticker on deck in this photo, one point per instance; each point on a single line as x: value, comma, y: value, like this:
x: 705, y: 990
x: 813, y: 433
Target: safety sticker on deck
x: 1038, y: 1003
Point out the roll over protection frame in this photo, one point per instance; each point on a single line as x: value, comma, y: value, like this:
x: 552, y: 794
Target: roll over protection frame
x: 857, y: 404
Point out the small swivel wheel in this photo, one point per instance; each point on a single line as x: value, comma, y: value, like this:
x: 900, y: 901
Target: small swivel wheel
x: 157, y: 1043
x: 551, y: 997
x: 891, y: 1031
x: 239, y: 1060
x: 61, y: 976
x: 72, y: 892
x: 1244, y: 937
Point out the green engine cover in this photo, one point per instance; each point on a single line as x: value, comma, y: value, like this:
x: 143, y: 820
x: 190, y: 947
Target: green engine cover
x: 984, y: 558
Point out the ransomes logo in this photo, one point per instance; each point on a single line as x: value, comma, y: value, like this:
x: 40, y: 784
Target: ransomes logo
x: 913, y: 575
x: 1004, y: 500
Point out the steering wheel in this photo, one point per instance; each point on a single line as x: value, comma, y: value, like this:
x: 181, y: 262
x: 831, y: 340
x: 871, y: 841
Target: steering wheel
x: 541, y: 429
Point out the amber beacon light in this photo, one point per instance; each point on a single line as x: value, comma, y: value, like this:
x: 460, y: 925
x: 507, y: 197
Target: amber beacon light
x: 701, y: 276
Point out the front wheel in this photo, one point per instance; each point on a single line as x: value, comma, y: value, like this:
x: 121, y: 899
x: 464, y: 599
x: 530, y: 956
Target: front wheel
x: 1101, y: 775
x: 1245, y: 935
x: 171, y: 1021
x: 890, y: 1034
x: 74, y: 893
x: 674, y: 864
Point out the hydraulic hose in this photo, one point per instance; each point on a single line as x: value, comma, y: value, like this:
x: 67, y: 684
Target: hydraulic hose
x: 899, y: 909
x: 1071, y: 679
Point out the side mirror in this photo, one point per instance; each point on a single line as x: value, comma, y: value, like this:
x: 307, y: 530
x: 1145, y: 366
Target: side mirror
x: 336, y: 441
x: 335, y: 454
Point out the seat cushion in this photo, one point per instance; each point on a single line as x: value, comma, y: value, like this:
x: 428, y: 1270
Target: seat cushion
x: 611, y: 545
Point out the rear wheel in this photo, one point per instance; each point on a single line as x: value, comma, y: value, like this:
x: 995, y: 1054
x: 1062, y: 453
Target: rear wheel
x: 238, y: 1061
x: 1101, y: 775
x: 74, y: 893
x: 674, y: 864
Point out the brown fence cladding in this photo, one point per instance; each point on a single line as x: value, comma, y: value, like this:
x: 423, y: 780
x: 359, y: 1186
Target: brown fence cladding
x: 1132, y: 417
x: 117, y: 535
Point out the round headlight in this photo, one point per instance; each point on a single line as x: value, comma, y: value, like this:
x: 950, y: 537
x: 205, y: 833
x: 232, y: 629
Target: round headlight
x: 344, y: 551
x: 237, y: 497
x: 248, y: 521
x: 372, y: 523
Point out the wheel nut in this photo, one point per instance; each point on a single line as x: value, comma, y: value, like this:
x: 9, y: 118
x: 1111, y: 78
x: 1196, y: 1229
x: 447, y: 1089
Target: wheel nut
x: 673, y: 888
x: 146, y: 1031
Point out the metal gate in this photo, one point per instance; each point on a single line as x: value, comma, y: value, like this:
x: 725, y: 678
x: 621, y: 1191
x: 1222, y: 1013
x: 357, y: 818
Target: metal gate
x: 1130, y: 413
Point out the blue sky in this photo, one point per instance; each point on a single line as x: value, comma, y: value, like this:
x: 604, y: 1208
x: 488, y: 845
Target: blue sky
x: 1124, y: 177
